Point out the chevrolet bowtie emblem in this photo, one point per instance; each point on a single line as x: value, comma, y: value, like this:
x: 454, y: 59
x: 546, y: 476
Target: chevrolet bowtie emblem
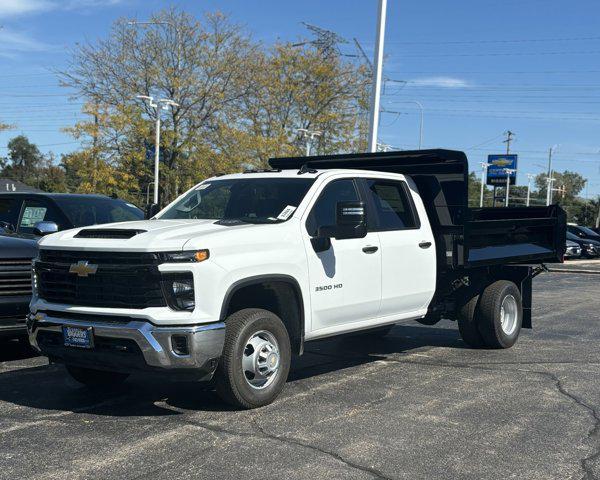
x: 82, y: 268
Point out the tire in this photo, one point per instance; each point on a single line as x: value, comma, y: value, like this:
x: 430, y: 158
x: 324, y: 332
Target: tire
x: 501, y: 296
x: 96, y: 378
x: 467, y: 324
x: 255, y: 340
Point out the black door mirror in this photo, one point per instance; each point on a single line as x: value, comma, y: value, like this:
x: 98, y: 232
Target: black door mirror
x: 44, y: 228
x: 351, y: 222
x: 151, y: 210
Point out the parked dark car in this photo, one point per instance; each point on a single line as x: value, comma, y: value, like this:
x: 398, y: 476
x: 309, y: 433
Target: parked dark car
x: 37, y: 214
x: 583, y: 232
x: 572, y: 249
x: 589, y: 248
x: 15, y: 283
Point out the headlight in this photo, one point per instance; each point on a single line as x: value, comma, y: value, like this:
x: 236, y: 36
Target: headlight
x: 179, y: 291
x: 189, y: 256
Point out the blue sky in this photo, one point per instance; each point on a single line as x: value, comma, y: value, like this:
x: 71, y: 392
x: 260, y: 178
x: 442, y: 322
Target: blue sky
x: 479, y: 67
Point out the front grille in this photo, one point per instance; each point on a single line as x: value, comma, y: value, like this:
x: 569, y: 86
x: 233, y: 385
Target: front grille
x: 15, y: 277
x: 121, y: 280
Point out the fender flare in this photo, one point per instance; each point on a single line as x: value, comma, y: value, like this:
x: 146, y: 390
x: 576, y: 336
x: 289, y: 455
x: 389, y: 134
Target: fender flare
x: 257, y: 280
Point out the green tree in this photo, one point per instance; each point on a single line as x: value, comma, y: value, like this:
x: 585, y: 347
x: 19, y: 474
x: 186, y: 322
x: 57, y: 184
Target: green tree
x: 572, y: 182
x: 24, y: 161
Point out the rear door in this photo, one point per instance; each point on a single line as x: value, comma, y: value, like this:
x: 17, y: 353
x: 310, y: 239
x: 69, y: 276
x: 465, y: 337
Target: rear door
x: 407, y: 246
x: 345, y: 281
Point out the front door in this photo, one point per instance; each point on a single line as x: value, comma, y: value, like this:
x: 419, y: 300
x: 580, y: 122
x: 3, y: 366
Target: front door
x: 345, y: 281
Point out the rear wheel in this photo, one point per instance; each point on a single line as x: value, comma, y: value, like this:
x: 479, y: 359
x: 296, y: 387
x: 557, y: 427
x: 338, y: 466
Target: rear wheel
x: 256, y: 359
x: 500, y: 314
x: 96, y: 378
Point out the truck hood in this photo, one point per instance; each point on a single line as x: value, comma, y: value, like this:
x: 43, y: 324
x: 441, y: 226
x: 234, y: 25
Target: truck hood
x: 146, y: 235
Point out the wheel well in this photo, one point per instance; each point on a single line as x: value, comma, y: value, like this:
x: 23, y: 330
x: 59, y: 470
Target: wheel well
x: 280, y: 296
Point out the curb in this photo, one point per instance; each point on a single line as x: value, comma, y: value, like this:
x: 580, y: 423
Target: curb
x: 564, y: 270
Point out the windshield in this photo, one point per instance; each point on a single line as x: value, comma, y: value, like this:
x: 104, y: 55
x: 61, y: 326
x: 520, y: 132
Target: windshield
x: 82, y: 211
x: 252, y: 200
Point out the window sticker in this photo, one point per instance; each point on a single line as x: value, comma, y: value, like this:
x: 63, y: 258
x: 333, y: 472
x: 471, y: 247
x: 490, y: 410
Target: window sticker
x: 203, y: 186
x: 286, y: 212
x: 32, y: 215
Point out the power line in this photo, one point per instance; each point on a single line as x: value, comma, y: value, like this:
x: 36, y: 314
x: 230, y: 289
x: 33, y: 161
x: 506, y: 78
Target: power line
x: 478, y: 42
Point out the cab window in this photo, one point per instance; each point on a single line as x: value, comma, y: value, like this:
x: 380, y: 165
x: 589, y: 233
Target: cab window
x: 323, y: 212
x: 392, y: 207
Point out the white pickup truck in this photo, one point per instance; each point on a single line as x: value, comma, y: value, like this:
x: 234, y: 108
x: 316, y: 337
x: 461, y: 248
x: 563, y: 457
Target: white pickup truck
x: 233, y: 277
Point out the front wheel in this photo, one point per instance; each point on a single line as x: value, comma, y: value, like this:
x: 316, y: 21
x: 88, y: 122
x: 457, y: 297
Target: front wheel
x: 256, y: 359
x: 96, y: 378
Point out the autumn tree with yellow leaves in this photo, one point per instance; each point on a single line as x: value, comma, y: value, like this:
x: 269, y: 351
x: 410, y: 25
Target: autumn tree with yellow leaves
x: 239, y: 103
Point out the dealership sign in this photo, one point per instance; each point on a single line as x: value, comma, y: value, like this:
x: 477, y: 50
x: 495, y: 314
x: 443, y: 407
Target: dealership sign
x: 501, y: 166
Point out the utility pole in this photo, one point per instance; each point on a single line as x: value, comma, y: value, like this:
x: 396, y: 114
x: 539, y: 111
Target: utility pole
x: 530, y: 177
x: 508, y: 172
x: 509, y: 138
x: 309, y: 135
x: 598, y: 216
x: 162, y: 104
x: 484, y: 167
x: 377, y: 71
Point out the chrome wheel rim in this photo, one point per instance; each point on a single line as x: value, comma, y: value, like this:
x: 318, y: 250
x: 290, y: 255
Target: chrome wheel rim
x: 509, y: 314
x: 260, y: 359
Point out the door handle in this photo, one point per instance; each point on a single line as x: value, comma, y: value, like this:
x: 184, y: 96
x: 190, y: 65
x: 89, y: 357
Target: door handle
x: 425, y: 244
x: 370, y: 249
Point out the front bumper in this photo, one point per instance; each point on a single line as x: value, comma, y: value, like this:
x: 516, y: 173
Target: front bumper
x: 131, y: 345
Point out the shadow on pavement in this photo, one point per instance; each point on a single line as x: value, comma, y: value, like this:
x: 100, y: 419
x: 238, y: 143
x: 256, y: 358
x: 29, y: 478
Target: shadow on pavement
x: 15, y: 349
x: 50, y: 388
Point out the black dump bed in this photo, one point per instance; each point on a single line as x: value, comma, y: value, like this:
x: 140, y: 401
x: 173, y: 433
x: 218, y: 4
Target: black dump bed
x: 465, y: 237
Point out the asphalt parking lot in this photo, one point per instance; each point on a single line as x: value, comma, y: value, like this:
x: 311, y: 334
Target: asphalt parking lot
x: 416, y: 404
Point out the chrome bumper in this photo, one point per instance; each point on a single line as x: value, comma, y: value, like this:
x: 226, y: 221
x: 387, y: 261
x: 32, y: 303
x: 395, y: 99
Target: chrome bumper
x: 205, y: 342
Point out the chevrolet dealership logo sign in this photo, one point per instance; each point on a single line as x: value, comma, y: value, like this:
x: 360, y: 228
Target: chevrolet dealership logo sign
x: 82, y: 268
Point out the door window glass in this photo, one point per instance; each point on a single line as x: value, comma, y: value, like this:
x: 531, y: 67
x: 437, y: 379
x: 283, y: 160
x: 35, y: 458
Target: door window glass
x: 324, y: 211
x: 393, y: 210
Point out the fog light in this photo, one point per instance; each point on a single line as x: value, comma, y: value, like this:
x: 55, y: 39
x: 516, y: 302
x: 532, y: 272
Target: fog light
x: 179, y: 344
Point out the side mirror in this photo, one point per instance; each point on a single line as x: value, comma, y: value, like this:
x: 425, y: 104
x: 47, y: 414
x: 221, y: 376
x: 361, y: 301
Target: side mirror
x: 44, y: 228
x: 151, y: 210
x: 9, y: 227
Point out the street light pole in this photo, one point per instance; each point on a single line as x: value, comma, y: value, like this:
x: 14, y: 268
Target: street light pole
x: 310, y: 135
x: 377, y: 72
x: 162, y: 104
x: 508, y: 172
x: 529, y: 178
x: 484, y: 166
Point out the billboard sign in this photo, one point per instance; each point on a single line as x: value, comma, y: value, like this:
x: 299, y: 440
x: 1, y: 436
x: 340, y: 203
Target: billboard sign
x: 497, y: 169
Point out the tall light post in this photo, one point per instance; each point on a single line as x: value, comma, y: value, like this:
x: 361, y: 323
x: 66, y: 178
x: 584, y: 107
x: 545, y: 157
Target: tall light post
x: 162, y: 104
x: 309, y: 135
x: 377, y: 71
x: 549, y: 178
x: 508, y: 172
x: 530, y: 177
x: 484, y: 167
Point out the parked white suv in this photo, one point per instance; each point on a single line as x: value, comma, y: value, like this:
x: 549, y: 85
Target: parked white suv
x: 236, y: 274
